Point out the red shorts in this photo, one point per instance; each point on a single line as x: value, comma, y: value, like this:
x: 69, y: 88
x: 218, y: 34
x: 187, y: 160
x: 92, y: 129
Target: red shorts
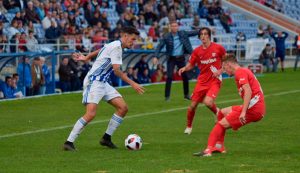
x: 201, y: 91
x: 252, y: 115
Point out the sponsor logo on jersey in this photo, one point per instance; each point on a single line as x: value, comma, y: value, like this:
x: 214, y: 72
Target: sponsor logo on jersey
x: 211, y: 60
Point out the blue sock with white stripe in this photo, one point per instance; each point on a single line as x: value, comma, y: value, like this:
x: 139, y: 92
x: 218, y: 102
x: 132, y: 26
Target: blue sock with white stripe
x: 78, y: 127
x: 113, y: 124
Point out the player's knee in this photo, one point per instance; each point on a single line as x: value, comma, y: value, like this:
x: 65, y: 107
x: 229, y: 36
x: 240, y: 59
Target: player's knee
x: 89, y: 116
x: 123, y: 109
x: 208, y: 102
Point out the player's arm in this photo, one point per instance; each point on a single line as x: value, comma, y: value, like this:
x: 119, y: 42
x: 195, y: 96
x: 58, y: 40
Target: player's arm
x: 80, y: 57
x: 247, y: 98
x: 138, y: 88
x: 187, y: 67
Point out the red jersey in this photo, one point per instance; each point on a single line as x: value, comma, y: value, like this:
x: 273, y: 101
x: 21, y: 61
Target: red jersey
x: 208, y: 61
x: 245, y: 76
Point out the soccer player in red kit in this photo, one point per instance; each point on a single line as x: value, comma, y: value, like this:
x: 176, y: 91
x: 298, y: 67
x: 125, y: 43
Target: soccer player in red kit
x: 208, y: 58
x: 252, y: 109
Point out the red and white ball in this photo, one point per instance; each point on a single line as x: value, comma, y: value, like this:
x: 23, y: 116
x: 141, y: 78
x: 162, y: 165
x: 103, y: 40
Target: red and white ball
x: 133, y: 142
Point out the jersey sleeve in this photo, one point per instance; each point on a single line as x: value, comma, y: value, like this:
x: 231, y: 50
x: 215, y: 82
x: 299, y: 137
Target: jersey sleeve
x: 222, y: 51
x: 116, y: 55
x: 192, y: 59
x: 242, y: 77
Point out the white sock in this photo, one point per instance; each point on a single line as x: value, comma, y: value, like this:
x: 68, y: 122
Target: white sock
x: 78, y: 127
x: 113, y: 124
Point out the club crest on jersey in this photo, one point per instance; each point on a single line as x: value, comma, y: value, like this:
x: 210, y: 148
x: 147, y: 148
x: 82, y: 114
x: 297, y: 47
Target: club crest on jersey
x: 213, y: 54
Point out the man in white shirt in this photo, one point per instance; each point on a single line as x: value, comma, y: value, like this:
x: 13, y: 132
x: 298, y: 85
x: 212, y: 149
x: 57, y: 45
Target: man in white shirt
x: 96, y: 87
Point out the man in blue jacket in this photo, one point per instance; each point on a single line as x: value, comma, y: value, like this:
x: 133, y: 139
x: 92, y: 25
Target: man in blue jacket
x: 279, y: 39
x: 25, y: 80
x: 177, y: 45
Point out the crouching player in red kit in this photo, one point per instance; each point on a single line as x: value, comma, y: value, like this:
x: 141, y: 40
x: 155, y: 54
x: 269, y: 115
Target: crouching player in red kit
x: 208, y: 59
x: 252, y: 110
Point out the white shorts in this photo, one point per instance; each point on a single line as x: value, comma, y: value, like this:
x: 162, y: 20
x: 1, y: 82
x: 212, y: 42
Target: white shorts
x: 95, y: 91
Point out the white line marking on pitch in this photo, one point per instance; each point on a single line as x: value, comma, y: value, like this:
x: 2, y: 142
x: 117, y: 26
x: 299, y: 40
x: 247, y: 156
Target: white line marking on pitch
x: 132, y: 116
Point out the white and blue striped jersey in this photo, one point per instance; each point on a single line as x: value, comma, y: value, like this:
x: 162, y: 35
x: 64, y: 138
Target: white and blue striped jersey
x: 102, y: 68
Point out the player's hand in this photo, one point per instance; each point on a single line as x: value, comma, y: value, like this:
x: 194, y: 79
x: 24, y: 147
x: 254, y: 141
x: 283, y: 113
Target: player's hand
x: 78, y: 56
x: 138, y: 88
x: 180, y: 71
x: 243, y: 118
x: 217, y: 73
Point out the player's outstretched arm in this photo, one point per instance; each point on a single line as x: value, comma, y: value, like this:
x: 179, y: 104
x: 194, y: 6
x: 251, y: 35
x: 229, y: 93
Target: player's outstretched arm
x: 247, y: 98
x: 138, y: 88
x: 186, y: 68
x: 80, y: 57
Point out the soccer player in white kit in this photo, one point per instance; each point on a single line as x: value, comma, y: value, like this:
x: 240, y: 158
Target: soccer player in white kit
x: 96, y: 87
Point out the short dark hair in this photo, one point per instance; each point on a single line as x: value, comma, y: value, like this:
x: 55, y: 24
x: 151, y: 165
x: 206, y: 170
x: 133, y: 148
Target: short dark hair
x: 7, y: 78
x: 229, y: 57
x: 207, y: 29
x: 130, y: 30
x: 15, y: 74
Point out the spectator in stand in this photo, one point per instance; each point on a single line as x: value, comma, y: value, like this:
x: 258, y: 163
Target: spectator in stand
x: 64, y: 72
x: 3, y: 43
x: 145, y: 78
x: 38, y: 78
x: 154, y: 31
x: 177, y: 45
x: 29, y: 28
x: 196, y: 23
x: 46, y: 22
x: 52, y: 33
x: 8, y: 89
x: 121, y: 6
x: 24, y: 72
x: 12, y: 30
x: 15, y: 80
x: 47, y: 75
x: 14, y: 42
x: 149, y: 15
x: 75, y: 69
x: 260, y: 31
x: 99, y: 39
x: 22, y: 43
x: 297, y: 45
x: 279, y: 39
x: 85, y: 67
x: 225, y: 20
x: 20, y: 27
x: 159, y: 75
x: 31, y: 14
x: 86, y: 42
x: 241, y: 37
x: 2, y: 8
x: 39, y: 9
x: 18, y: 17
x: 266, y: 57
x: 12, y: 6
x: 141, y: 65
x: 31, y: 42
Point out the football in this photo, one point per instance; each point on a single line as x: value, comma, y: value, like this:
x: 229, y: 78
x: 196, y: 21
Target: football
x: 133, y: 142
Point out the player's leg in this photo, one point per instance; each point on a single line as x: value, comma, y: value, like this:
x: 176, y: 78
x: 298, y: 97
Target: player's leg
x: 115, y: 99
x: 115, y: 121
x: 190, y: 116
x: 92, y: 94
x: 170, y: 70
x: 79, y: 126
x: 219, y: 147
x: 185, y: 80
x: 211, y: 95
x: 282, y: 61
x: 214, y: 136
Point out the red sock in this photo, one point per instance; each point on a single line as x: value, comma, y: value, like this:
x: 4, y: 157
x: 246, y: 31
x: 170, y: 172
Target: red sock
x: 190, y: 116
x: 220, y: 115
x: 213, y: 108
x: 215, y: 135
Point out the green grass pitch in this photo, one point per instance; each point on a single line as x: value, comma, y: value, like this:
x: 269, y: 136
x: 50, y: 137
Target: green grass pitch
x: 32, y: 132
